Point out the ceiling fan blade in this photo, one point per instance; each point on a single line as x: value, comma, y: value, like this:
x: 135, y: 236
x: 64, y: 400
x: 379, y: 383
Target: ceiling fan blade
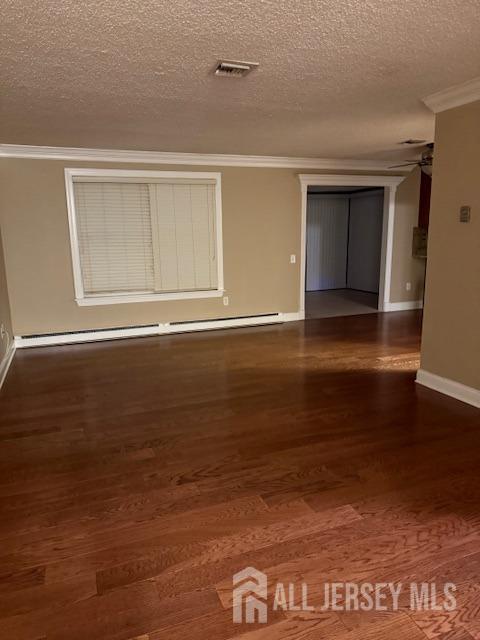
x: 406, y: 164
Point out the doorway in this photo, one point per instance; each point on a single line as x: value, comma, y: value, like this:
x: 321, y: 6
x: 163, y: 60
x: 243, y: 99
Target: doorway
x: 343, y: 250
x: 341, y: 186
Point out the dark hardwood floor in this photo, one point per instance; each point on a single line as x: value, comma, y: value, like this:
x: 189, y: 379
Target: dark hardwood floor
x: 136, y: 477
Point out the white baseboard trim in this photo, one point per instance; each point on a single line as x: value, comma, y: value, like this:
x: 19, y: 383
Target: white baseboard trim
x: 292, y: 317
x: 153, y: 330
x: 403, y: 306
x: 449, y: 387
x: 6, y: 362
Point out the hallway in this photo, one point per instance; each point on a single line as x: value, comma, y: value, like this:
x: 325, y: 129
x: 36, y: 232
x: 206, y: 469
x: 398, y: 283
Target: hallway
x: 339, y: 302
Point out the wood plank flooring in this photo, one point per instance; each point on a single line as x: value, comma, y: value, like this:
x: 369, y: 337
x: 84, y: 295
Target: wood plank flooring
x: 137, y: 476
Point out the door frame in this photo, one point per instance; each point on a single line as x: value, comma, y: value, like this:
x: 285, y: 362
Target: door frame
x: 389, y: 184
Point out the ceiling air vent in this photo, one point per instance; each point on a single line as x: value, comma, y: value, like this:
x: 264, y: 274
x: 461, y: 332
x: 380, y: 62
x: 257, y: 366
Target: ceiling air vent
x: 234, y: 68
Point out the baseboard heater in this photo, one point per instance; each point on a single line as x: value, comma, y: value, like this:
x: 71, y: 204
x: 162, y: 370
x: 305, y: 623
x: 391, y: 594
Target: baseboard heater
x: 134, y: 331
x: 234, y: 318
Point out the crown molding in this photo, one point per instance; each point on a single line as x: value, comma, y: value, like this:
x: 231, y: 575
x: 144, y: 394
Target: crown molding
x: 455, y: 96
x: 166, y: 157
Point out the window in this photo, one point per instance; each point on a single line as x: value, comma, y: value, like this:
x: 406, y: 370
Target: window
x: 144, y: 235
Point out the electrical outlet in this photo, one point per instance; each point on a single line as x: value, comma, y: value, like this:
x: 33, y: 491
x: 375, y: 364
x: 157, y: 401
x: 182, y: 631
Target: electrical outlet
x: 2, y: 331
x: 226, y: 301
x: 408, y: 286
x: 293, y: 258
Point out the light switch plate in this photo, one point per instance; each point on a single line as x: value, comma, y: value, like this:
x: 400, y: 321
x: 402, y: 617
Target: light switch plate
x: 465, y: 214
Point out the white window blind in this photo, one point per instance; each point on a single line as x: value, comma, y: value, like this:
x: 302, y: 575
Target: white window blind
x: 184, y: 221
x: 146, y: 237
x: 114, y: 237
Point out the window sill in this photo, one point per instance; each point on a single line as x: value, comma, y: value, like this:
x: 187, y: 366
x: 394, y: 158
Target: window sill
x: 147, y: 297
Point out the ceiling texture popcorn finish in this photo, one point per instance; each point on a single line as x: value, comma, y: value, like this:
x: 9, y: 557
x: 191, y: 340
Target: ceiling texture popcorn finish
x: 336, y: 78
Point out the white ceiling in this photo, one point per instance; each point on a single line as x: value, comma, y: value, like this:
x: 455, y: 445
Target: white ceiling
x: 337, y: 78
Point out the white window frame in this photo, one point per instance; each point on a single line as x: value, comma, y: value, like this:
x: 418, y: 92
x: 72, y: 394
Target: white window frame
x: 123, y: 175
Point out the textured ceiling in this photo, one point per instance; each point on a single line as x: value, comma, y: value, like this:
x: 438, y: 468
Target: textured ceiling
x: 337, y: 78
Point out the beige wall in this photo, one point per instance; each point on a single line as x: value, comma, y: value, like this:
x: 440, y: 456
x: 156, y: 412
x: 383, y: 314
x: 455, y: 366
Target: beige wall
x: 261, y: 226
x: 451, y: 330
x: 5, y: 319
x: 405, y: 267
